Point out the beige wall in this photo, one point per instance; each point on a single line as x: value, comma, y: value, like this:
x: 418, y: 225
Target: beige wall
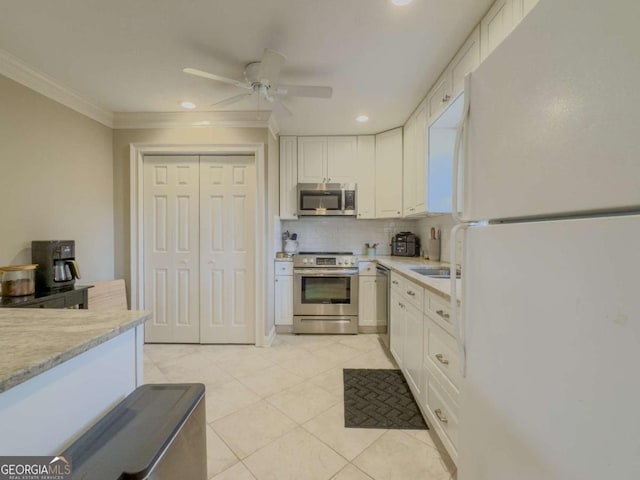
x: 56, y: 180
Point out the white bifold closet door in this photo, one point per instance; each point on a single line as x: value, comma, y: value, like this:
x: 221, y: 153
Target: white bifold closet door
x: 199, y: 248
x: 227, y: 249
x: 171, y: 248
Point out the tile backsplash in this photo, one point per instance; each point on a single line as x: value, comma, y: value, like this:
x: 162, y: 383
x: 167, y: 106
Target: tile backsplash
x: 444, y: 223
x: 346, y: 234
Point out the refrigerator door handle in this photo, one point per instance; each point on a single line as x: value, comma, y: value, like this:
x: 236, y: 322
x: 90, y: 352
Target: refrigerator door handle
x: 457, y: 318
x: 457, y: 152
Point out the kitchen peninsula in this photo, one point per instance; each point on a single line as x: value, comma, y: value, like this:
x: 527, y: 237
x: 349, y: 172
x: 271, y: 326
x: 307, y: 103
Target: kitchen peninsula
x: 61, y: 371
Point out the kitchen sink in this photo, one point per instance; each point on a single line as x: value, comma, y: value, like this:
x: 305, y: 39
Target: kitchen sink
x: 435, y: 272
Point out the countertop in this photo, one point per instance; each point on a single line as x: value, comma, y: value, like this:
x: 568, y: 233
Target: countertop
x: 33, y: 341
x: 403, y: 265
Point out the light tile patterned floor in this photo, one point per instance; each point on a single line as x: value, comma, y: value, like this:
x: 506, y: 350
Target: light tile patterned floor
x: 277, y: 413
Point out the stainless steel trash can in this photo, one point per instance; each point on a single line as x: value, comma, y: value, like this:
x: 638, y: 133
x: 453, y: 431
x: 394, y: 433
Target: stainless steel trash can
x: 156, y: 433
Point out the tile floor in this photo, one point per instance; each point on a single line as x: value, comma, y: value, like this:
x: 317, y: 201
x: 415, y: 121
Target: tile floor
x: 277, y: 413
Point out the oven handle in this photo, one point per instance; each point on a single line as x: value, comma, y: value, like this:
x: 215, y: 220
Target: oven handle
x: 312, y: 272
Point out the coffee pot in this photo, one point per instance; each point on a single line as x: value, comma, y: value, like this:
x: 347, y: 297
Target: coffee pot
x: 57, y: 266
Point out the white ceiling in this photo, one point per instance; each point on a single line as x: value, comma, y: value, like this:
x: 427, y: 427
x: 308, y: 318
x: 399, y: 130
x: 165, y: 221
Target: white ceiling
x: 128, y: 55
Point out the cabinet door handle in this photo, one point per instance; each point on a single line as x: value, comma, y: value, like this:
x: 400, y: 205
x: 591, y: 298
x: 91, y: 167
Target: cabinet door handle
x: 441, y: 358
x: 441, y: 313
x: 400, y: 305
x: 446, y: 98
x: 441, y: 416
x: 394, y: 282
x: 277, y: 282
x: 410, y: 293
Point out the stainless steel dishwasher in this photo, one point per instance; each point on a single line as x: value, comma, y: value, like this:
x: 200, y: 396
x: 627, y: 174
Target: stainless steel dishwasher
x: 382, y: 301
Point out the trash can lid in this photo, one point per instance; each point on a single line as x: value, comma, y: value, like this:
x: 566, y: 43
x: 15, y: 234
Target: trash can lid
x: 127, y: 442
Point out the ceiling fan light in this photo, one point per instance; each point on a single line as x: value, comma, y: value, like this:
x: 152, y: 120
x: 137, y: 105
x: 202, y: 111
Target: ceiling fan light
x: 188, y: 105
x: 362, y: 118
x: 401, y: 3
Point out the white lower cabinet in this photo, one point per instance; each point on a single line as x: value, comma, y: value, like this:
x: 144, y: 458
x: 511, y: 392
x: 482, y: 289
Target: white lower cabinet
x: 397, y: 326
x: 283, y: 293
x: 427, y: 353
x: 441, y: 372
x: 413, y: 346
x: 367, y: 296
x: 406, y: 330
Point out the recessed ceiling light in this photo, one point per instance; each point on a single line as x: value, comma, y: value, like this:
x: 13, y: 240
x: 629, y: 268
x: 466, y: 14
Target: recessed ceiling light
x: 362, y: 118
x: 401, y: 3
x: 188, y: 105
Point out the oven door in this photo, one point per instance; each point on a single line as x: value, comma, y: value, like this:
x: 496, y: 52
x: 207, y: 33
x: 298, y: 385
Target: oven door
x: 325, y: 291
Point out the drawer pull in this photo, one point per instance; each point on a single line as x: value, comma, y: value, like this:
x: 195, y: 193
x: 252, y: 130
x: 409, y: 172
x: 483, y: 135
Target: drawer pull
x: 395, y: 282
x: 441, y: 416
x: 409, y: 292
x: 401, y: 305
x: 446, y: 316
x: 441, y: 358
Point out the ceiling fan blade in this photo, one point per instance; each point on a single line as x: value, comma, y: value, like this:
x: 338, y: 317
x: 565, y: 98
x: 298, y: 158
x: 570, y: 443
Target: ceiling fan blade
x: 270, y: 66
x: 304, y: 91
x: 231, y: 100
x: 281, y: 110
x: 218, y: 78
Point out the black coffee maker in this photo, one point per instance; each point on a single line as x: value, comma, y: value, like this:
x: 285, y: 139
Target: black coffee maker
x: 57, y: 267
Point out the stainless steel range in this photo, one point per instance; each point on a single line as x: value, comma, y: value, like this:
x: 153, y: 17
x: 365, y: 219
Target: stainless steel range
x: 325, y: 292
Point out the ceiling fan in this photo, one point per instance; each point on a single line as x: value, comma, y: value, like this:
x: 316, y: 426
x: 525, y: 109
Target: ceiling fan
x: 261, y: 79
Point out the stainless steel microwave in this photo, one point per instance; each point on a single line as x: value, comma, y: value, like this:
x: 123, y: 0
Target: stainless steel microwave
x: 326, y: 199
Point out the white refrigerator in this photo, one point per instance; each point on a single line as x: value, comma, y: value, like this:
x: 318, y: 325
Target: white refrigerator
x: 549, y: 327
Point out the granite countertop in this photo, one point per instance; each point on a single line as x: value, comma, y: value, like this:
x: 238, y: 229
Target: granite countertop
x: 403, y: 265
x: 33, y: 341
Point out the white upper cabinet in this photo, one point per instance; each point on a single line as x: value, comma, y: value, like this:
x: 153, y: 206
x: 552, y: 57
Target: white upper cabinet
x: 389, y: 174
x: 420, y: 161
x: 439, y: 96
x: 408, y: 163
x: 451, y: 82
x: 415, y: 162
x: 342, y: 159
x: 466, y: 61
x: 312, y: 159
x: 496, y: 25
x: 327, y: 159
x: 288, y: 178
x: 366, y: 177
x: 521, y: 9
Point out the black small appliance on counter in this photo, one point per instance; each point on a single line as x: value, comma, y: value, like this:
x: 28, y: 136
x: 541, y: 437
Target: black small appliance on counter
x: 405, y: 244
x: 57, y: 266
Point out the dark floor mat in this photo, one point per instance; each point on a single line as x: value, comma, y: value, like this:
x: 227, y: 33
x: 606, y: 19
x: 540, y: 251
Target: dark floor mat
x: 379, y: 398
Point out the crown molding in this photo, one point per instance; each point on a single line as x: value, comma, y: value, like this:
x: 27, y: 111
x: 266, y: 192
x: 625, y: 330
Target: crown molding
x: 17, y: 70
x: 246, y: 119
x: 20, y: 72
